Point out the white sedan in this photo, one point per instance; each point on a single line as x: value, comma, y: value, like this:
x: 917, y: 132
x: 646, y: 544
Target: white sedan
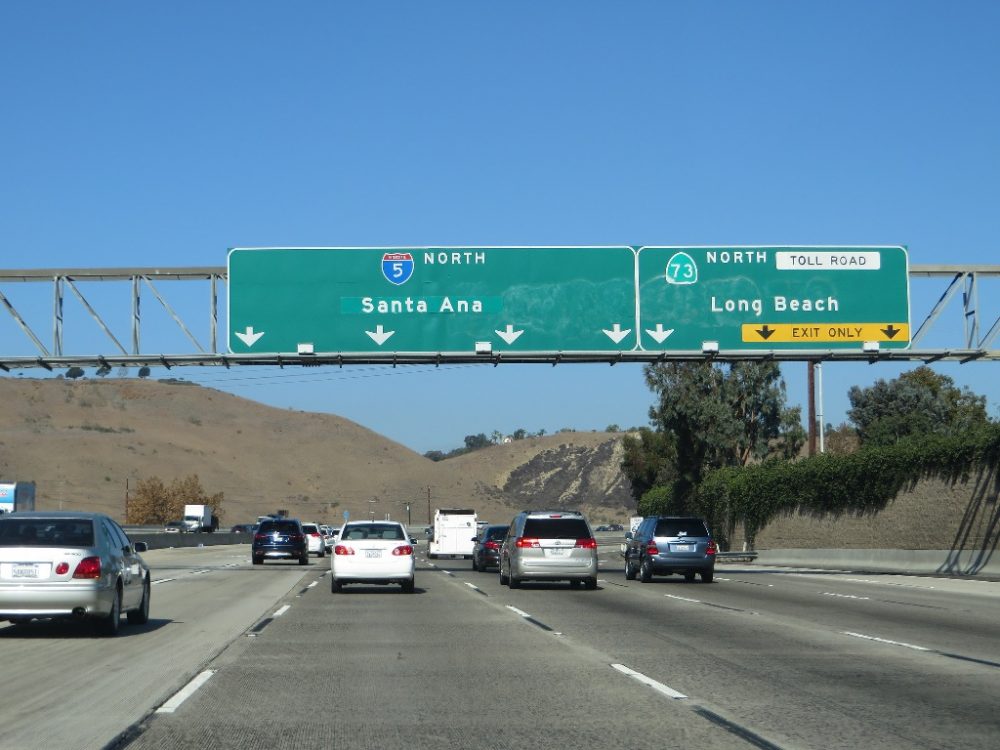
x: 372, y: 552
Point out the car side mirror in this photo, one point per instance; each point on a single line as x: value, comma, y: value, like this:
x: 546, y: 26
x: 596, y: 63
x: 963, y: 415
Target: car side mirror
x: 140, y: 546
x: 628, y: 534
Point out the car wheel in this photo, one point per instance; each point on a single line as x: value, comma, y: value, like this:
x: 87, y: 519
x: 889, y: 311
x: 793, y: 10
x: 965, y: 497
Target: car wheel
x: 109, y: 624
x: 645, y: 571
x: 513, y: 581
x: 591, y: 583
x: 335, y: 586
x: 304, y: 560
x: 575, y: 584
x: 407, y: 586
x: 689, y: 577
x: 707, y: 576
x: 322, y: 553
x: 504, y: 580
x: 629, y: 570
x: 474, y: 566
x: 140, y: 616
x: 257, y: 560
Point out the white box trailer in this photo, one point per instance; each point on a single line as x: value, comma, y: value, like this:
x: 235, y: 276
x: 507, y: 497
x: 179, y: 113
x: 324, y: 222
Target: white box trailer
x: 16, y: 496
x: 452, y: 533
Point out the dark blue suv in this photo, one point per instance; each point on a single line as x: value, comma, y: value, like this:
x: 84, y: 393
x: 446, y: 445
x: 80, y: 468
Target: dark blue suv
x: 662, y: 545
x: 280, y: 539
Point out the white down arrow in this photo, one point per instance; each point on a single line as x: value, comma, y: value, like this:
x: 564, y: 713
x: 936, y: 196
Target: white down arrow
x: 509, y: 334
x: 249, y: 337
x: 659, y: 335
x: 616, y: 333
x: 380, y: 336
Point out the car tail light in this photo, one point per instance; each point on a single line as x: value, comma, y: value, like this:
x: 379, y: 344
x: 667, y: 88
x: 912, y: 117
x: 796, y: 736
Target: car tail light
x: 711, y: 549
x: 62, y: 568
x: 403, y: 549
x: 526, y: 541
x: 342, y: 549
x: 651, y: 548
x: 261, y: 537
x: 88, y: 567
x: 589, y: 543
x: 314, y: 533
x: 492, y: 545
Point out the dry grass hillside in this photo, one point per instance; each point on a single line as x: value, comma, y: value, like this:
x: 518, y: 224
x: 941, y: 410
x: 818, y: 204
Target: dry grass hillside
x: 83, y: 441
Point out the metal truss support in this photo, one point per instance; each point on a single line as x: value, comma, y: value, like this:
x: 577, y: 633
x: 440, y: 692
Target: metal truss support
x: 972, y: 346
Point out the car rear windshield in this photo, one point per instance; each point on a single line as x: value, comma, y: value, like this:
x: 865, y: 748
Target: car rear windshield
x: 681, y: 527
x: 282, y: 527
x: 556, y: 528
x: 496, y: 532
x: 374, y: 531
x: 310, y: 528
x: 46, y: 533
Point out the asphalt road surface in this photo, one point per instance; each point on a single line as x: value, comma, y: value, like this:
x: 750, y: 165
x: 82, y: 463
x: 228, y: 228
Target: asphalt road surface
x: 241, y: 656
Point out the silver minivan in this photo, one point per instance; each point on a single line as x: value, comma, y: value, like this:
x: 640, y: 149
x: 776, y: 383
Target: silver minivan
x: 544, y: 545
x: 83, y: 566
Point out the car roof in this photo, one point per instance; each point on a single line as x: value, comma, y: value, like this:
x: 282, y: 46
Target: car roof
x: 53, y: 514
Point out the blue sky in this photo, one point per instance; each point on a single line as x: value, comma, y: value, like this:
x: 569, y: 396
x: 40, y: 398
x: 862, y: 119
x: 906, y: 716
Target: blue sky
x: 139, y: 134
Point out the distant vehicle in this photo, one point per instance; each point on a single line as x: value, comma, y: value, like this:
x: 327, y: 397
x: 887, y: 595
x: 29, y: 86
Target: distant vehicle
x: 17, y: 496
x: 663, y: 545
x: 452, y: 533
x: 199, y: 518
x: 175, y: 527
x: 242, y: 528
x: 603, y: 528
x: 330, y: 538
x: 372, y: 552
x: 616, y: 527
x: 486, y: 549
x: 279, y: 538
x: 314, y: 538
x: 71, y: 565
x: 545, y: 545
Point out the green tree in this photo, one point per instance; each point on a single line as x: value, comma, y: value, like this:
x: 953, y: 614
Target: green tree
x: 918, y: 402
x: 474, y: 442
x: 712, y: 416
x: 649, y: 459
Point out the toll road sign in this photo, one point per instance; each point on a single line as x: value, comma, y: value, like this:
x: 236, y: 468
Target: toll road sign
x: 769, y: 297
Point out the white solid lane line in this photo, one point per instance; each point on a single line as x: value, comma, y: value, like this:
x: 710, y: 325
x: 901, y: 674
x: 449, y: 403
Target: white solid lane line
x: 184, y: 693
x: 885, y: 640
x: 649, y: 681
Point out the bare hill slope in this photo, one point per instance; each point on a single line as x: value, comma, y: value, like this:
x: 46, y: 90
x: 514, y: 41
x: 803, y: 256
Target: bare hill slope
x: 81, y: 441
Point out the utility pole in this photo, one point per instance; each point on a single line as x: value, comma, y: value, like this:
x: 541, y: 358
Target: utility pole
x: 126, y: 500
x: 428, y: 506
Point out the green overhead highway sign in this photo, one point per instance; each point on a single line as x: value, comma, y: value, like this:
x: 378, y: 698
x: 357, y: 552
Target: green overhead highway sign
x: 431, y: 299
x: 773, y: 297
x: 594, y: 300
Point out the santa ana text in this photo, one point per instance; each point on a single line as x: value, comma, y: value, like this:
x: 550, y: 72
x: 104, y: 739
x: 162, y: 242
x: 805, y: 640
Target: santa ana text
x: 420, y: 305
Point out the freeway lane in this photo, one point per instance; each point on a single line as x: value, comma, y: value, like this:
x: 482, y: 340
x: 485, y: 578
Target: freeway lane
x: 771, y: 650
x: 766, y: 658
x: 66, y: 688
x: 445, y: 667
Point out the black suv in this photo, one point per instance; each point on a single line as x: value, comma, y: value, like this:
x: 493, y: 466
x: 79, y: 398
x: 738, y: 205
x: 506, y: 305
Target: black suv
x: 662, y: 545
x: 280, y: 538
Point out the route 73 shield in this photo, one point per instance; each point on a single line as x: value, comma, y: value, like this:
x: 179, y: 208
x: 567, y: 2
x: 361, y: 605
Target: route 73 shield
x: 397, y: 267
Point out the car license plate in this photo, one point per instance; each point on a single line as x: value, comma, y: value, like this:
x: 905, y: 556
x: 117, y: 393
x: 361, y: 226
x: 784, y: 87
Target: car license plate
x: 24, y: 571
x: 682, y: 547
x: 373, y: 553
x: 557, y: 552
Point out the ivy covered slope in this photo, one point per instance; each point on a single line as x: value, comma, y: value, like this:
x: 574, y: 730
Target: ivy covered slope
x: 860, y: 483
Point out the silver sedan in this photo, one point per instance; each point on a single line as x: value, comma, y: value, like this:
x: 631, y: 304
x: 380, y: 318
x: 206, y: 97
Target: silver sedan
x: 71, y: 565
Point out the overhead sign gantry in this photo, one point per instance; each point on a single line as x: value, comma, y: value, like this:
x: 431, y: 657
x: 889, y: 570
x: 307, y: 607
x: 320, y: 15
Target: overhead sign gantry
x: 597, y: 300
